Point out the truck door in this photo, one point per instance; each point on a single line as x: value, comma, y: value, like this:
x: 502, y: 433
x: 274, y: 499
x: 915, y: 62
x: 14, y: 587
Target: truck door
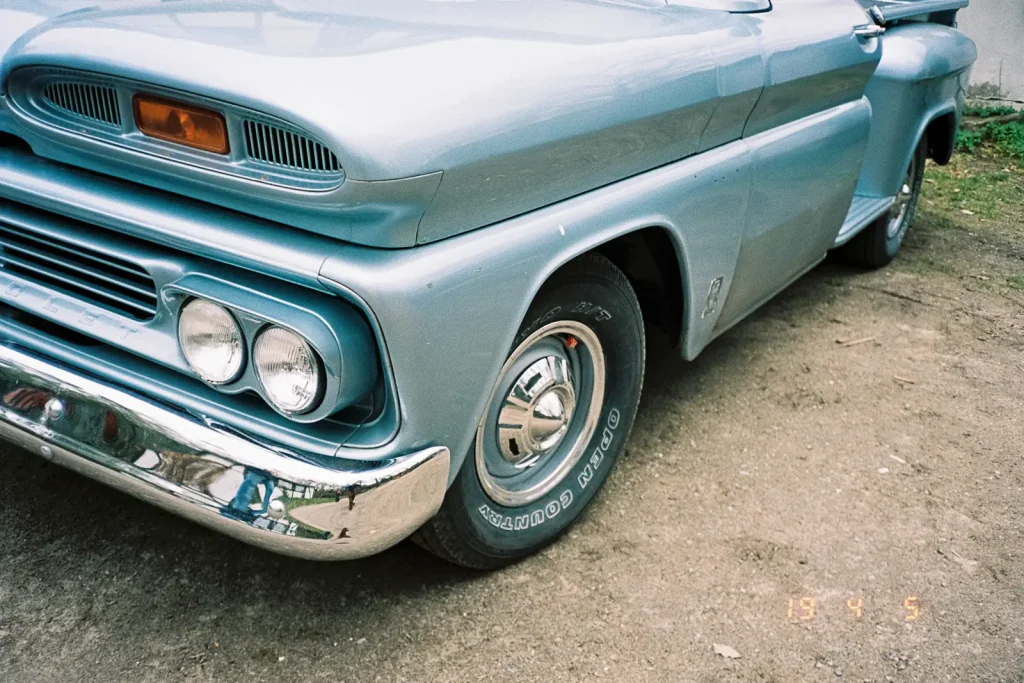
x: 807, y: 135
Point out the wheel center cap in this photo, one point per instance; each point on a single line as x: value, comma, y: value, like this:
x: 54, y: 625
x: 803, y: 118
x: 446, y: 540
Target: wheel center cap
x: 536, y: 414
x: 550, y: 417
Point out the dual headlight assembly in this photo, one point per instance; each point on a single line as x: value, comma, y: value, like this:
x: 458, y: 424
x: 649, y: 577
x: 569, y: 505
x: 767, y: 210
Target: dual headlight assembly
x: 288, y: 370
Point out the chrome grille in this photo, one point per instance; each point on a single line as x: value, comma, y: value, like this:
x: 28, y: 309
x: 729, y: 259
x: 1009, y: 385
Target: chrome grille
x: 107, y: 281
x: 281, y: 147
x: 94, y: 102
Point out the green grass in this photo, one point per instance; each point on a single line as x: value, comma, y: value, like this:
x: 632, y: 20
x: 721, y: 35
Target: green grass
x: 1007, y: 137
x: 939, y: 221
x: 968, y: 141
x: 988, y: 112
x: 974, y: 205
x: 958, y: 188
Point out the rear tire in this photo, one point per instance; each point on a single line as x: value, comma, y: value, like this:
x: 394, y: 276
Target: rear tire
x: 878, y: 244
x: 567, y: 397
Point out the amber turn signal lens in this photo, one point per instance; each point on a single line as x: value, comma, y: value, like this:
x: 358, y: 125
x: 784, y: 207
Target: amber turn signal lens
x: 181, y: 123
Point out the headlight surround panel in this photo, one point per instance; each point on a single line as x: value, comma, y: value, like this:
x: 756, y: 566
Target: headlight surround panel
x: 262, y: 148
x: 194, y: 245
x: 337, y: 330
x: 340, y: 340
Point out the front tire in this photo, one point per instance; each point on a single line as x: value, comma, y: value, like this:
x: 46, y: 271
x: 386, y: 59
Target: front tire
x: 557, y: 419
x: 878, y: 244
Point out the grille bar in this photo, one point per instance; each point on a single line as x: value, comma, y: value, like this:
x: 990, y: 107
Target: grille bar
x: 12, y: 249
x: 12, y: 226
x: 94, y: 102
x: 73, y: 285
x: 277, y: 146
x: 120, y: 286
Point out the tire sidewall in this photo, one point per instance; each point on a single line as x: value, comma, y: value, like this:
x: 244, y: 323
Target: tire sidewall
x: 892, y: 244
x: 499, y: 531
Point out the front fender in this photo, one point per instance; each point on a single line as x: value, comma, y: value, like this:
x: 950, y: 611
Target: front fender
x: 922, y: 77
x: 449, y: 311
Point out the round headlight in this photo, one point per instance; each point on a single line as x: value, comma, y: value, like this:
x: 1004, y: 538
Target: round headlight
x: 211, y: 341
x: 288, y: 369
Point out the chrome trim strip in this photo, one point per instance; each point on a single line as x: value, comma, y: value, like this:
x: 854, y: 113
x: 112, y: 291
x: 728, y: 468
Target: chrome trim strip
x: 893, y: 10
x: 271, y: 499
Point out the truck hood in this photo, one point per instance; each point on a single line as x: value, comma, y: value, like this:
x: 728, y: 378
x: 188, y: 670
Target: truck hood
x: 389, y: 84
x: 472, y: 110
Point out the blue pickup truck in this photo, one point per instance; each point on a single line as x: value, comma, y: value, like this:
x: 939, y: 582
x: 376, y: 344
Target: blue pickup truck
x: 324, y: 275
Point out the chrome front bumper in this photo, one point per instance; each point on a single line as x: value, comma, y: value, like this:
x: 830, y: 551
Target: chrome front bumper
x: 219, y: 479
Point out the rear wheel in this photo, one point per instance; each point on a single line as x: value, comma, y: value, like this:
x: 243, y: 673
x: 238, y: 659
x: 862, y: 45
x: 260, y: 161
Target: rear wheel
x: 556, y: 421
x: 878, y: 244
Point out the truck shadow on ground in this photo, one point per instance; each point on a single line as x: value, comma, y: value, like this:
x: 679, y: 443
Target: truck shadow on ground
x: 59, y: 527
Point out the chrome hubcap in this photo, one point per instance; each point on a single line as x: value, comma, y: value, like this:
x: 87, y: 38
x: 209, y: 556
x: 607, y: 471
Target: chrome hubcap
x: 898, y: 212
x: 535, y: 415
x: 542, y: 413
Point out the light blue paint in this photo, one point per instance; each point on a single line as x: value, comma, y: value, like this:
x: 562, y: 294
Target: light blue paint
x: 484, y: 145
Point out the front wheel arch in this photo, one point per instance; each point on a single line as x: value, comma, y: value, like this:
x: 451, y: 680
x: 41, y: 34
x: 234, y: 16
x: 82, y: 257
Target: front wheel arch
x: 653, y: 265
x: 474, y: 528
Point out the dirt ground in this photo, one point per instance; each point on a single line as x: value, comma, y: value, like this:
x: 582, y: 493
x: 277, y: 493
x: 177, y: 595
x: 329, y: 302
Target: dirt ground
x: 855, y: 448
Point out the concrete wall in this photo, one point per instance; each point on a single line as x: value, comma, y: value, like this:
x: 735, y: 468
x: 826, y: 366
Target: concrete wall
x: 997, y: 26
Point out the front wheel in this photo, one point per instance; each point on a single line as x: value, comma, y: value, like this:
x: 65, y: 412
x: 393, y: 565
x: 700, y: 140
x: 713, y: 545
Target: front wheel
x: 555, y: 423
x: 878, y: 244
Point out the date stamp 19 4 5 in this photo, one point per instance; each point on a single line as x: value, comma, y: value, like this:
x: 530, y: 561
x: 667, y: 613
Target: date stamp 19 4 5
x: 805, y: 609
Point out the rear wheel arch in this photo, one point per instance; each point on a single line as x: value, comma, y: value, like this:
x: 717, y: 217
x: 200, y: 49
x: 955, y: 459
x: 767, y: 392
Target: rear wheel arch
x: 939, y: 126
x: 877, y: 244
x: 941, y: 135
